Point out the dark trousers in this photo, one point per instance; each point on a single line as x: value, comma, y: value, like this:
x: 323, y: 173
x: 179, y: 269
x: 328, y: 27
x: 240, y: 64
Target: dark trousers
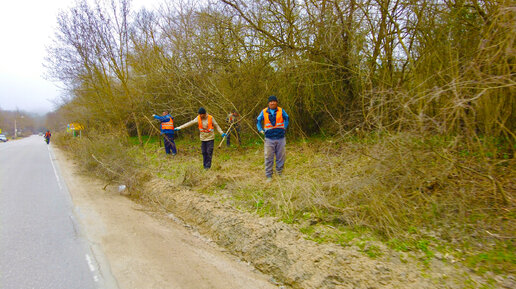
x: 207, y: 153
x: 236, y: 133
x: 170, y: 145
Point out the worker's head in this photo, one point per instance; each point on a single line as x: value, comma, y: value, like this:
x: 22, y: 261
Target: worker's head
x: 273, y: 102
x: 202, y: 112
x: 165, y: 112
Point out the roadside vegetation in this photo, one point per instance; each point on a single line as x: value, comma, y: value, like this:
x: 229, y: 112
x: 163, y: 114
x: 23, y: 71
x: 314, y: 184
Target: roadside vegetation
x: 403, y: 114
x: 412, y: 194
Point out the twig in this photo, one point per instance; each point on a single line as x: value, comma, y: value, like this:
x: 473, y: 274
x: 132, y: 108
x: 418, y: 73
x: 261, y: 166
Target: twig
x: 496, y: 183
x: 498, y: 236
x: 242, y: 118
x: 151, y: 123
x: 105, y: 166
x: 108, y: 183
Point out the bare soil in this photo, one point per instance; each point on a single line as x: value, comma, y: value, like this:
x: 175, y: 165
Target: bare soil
x: 280, y: 250
x: 143, y: 249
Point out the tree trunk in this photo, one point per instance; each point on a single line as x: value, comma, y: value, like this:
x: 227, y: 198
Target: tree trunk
x: 137, y: 124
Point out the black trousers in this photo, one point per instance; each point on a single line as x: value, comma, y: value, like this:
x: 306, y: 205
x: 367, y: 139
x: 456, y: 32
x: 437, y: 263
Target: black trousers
x: 207, y: 152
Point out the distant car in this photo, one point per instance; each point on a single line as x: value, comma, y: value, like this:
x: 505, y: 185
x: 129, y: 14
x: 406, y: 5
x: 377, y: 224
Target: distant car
x: 3, y: 138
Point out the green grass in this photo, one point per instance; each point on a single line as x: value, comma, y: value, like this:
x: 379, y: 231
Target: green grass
x: 497, y: 259
x: 145, y: 139
x: 371, y: 250
x: 400, y: 245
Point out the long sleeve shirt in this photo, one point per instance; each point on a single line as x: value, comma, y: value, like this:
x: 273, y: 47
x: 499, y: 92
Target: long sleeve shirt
x: 276, y: 133
x: 204, y: 136
x: 165, y: 118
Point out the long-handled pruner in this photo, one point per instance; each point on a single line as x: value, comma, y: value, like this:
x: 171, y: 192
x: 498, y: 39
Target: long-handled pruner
x: 225, y: 136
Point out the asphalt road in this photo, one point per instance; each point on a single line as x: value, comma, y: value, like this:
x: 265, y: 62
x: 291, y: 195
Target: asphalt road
x: 41, y: 243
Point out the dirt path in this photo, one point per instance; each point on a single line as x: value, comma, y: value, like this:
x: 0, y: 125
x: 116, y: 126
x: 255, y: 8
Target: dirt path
x: 142, y: 251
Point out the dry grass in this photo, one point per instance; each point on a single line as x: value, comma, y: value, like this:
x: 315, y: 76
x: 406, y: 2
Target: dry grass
x: 106, y: 157
x: 403, y: 188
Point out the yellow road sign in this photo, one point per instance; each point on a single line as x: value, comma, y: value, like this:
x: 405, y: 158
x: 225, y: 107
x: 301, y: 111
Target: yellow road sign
x: 76, y: 126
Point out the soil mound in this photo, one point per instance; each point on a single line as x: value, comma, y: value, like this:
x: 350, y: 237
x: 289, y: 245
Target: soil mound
x: 280, y: 250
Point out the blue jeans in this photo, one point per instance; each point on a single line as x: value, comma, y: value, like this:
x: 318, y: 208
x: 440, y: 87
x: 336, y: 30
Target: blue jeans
x: 274, y: 147
x: 170, y: 145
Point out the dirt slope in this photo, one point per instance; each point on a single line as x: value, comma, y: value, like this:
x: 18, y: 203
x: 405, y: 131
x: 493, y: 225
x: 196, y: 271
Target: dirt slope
x: 143, y: 251
x: 280, y: 250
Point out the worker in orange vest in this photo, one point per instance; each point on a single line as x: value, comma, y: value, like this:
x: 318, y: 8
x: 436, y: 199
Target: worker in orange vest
x: 47, y: 136
x: 167, y: 130
x: 206, y: 124
x: 233, y: 120
x: 275, y: 123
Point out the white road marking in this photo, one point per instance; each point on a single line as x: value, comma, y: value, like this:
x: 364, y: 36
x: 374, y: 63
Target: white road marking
x: 54, y: 167
x: 92, y: 267
x: 89, y: 260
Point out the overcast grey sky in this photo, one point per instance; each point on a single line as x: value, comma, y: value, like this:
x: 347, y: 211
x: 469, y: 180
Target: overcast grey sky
x: 26, y: 28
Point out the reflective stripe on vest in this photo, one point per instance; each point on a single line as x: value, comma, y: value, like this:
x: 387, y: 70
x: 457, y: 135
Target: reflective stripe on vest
x: 168, y: 125
x: 210, y: 124
x: 279, y: 120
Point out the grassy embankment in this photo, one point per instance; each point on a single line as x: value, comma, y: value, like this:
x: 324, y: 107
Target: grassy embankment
x: 427, y: 195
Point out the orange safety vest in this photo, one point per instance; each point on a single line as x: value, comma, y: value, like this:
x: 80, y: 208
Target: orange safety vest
x: 168, y: 125
x: 210, y: 124
x: 279, y: 120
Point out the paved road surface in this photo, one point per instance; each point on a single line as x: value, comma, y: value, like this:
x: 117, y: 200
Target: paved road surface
x: 41, y: 244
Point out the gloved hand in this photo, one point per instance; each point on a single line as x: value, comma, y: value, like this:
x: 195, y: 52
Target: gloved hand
x: 177, y: 129
x: 262, y: 132
x: 224, y: 135
x: 153, y: 115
